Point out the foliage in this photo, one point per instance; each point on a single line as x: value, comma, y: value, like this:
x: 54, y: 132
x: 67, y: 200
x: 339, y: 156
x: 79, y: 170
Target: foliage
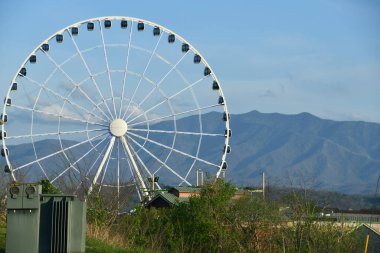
x: 92, y: 245
x: 48, y: 188
x: 215, y: 221
x: 96, y: 246
x: 97, y: 211
x: 2, y: 239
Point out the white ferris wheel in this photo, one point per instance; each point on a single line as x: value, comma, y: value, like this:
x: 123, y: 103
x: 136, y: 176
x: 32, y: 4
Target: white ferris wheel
x: 115, y: 101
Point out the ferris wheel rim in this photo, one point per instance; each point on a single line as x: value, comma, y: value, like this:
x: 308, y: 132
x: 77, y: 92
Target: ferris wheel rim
x: 133, y: 20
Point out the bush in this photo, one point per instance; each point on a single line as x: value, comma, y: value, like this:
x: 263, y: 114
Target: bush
x: 48, y: 188
x: 215, y: 222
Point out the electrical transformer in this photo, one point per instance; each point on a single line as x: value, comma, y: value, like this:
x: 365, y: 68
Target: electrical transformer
x: 42, y: 223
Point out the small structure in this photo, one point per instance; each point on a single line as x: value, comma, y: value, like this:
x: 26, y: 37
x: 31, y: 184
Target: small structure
x: 180, y: 194
x: 239, y: 193
x: 365, y: 231
x: 38, y: 223
x: 164, y: 200
x: 356, y: 216
x: 185, y: 191
x: 173, y: 196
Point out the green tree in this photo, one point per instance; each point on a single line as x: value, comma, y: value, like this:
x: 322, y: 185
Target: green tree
x: 48, y: 188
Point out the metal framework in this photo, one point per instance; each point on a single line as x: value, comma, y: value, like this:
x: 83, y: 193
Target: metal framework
x: 117, y: 123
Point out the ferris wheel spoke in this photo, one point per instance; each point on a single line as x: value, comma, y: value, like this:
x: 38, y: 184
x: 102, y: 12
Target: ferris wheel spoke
x: 159, y: 83
x: 174, y: 114
x: 77, y: 161
x: 94, y: 163
x: 54, y: 133
x: 106, y: 168
x: 57, y: 153
x: 138, y: 175
x: 101, y: 165
x: 107, y: 67
x: 143, y: 74
x: 77, y: 86
x: 173, y: 132
x: 159, y: 161
x: 199, y: 142
x: 140, y: 161
x: 126, y: 69
x: 174, y: 150
x: 63, y: 98
x: 97, y: 159
x: 56, y: 115
x: 118, y: 174
x: 166, y: 99
x: 90, y: 74
x: 134, y: 178
x: 144, y: 166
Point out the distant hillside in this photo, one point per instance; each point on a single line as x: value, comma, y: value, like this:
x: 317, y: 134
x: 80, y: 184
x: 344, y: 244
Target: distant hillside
x: 325, y: 199
x: 303, y: 149
x: 293, y: 150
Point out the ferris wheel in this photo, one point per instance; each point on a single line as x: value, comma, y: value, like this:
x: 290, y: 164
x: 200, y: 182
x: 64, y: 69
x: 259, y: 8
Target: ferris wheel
x: 113, y: 101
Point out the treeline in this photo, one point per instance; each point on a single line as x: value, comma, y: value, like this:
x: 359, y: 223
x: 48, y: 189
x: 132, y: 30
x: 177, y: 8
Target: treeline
x: 329, y: 199
x: 214, y: 222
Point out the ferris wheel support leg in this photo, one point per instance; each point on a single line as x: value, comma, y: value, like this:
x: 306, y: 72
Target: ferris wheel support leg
x: 13, y: 177
x: 141, y: 184
x: 100, y: 168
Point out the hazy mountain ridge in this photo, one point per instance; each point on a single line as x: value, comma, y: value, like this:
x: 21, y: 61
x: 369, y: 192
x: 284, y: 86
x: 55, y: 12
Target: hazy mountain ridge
x: 293, y: 150
x: 330, y: 155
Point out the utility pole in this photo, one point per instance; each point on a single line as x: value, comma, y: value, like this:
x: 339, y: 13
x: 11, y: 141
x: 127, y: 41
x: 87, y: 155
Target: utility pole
x: 153, y: 182
x: 263, y: 185
x: 197, y: 177
x: 377, y: 186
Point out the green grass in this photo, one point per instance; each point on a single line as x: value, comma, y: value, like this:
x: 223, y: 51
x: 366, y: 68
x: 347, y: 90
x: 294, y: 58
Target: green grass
x: 2, y: 239
x: 92, y: 246
x: 95, y: 246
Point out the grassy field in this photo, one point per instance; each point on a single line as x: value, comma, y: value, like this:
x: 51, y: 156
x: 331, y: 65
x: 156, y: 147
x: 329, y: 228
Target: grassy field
x: 92, y: 246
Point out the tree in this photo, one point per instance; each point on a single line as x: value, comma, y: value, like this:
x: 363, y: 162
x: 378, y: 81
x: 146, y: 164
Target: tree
x: 48, y: 188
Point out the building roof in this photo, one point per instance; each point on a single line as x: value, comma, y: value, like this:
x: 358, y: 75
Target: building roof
x: 167, y: 197
x: 172, y: 199
x: 366, y: 226
x: 186, y: 189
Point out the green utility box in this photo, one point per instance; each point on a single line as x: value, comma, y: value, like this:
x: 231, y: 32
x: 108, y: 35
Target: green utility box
x: 23, y: 217
x: 41, y: 223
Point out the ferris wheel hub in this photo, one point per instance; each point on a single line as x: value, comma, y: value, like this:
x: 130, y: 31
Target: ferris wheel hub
x: 118, y: 127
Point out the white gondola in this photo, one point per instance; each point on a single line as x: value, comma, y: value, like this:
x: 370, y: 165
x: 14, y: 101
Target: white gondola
x: 59, y: 38
x: 22, y: 72
x: 185, y: 47
x: 90, y: 26
x: 124, y: 24
x: 14, y: 86
x: 74, y: 31
x: 107, y: 24
x: 3, y: 135
x: 45, y: 47
x: 171, y: 38
x: 156, y: 31
x: 197, y: 58
x: 33, y: 59
x: 140, y: 26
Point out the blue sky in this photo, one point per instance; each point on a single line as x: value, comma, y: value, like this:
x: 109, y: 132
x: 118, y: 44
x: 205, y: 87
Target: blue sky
x: 321, y: 57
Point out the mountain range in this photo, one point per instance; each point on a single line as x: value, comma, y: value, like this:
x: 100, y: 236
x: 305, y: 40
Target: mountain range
x: 299, y: 150
x: 303, y: 150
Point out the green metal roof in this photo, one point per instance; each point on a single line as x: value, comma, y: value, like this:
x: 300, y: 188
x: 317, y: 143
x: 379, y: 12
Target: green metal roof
x: 187, y: 189
x: 170, y: 198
